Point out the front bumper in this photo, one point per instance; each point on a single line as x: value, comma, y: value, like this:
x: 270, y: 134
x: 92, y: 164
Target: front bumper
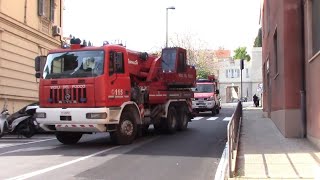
x: 75, y: 119
x: 203, y: 105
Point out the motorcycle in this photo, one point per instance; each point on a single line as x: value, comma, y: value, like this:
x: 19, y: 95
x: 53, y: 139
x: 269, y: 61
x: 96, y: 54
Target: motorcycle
x: 22, y: 122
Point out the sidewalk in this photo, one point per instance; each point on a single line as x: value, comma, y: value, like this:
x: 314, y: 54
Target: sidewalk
x: 265, y: 154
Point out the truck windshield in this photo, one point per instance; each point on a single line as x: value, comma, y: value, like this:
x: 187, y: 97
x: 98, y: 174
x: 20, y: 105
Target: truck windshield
x: 74, y: 64
x: 204, y: 88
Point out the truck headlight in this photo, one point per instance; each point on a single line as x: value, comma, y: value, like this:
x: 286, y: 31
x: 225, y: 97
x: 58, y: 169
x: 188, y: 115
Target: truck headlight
x: 41, y: 115
x: 96, y: 115
x: 211, y: 98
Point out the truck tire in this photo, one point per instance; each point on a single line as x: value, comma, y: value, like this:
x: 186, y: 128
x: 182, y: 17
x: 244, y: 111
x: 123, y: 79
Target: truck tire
x: 171, y: 120
x: 126, y: 130
x: 183, y: 119
x: 68, y: 137
x: 217, y: 110
x: 213, y: 111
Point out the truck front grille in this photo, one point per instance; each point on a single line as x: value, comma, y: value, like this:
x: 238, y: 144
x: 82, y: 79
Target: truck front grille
x: 70, y: 95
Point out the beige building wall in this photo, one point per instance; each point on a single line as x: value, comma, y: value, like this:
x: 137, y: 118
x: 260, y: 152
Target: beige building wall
x: 25, y: 32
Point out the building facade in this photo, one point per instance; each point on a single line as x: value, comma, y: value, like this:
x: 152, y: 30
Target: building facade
x: 27, y: 29
x: 230, y: 78
x: 291, y: 63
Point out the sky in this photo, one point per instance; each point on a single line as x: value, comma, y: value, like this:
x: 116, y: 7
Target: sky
x: 141, y: 24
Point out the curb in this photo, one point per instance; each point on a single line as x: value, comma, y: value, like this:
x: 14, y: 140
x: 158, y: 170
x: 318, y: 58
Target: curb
x: 223, y: 164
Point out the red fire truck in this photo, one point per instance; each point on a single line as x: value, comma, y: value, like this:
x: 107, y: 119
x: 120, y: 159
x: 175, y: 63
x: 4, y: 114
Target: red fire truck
x: 85, y: 89
x: 206, y: 96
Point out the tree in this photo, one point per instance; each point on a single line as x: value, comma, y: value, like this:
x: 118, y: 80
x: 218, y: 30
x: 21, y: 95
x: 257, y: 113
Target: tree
x: 258, y: 40
x: 197, y: 53
x: 202, y: 74
x: 241, y: 53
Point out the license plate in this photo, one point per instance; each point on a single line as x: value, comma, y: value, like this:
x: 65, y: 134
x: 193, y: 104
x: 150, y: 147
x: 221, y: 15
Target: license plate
x: 65, y: 118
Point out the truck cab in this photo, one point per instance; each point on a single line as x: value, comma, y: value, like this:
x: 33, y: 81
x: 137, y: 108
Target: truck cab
x: 206, y: 97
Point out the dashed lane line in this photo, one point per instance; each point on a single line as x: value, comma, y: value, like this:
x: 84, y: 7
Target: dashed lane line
x: 212, y: 118
x: 227, y: 119
x: 196, y: 118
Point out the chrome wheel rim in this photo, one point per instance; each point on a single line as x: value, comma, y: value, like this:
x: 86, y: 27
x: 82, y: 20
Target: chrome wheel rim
x: 127, y: 128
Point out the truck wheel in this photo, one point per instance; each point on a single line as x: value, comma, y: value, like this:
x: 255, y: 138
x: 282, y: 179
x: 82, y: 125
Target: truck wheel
x: 217, y: 110
x: 68, y: 137
x: 171, y: 120
x: 214, y: 110
x: 183, y: 119
x: 126, y: 130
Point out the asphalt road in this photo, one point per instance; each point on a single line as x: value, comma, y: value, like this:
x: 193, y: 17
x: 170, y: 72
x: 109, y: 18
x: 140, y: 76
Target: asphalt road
x: 193, y: 154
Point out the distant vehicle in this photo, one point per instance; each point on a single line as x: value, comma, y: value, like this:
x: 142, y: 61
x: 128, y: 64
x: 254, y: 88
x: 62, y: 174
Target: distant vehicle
x: 206, y: 96
x: 244, y: 99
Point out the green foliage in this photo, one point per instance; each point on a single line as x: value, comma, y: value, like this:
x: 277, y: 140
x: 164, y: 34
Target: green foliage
x: 202, y: 74
x: 258, y: 40
x: 241, y: 53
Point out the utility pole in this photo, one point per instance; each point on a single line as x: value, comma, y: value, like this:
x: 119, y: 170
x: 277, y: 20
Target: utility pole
x: 241, y: 68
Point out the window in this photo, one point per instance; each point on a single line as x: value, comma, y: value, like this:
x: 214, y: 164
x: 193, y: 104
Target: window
x: 316, y: 26
x: 116, y: 63
x: 182, y: 63
x: 237, y: 73
x: 169, y: 60
x: 275, y: 48
x: 247, y: 73
x: 46, y: 9
x: 119, y: 61
x: 74, y: 64
x: 227, y: 73
x: 232, y: 74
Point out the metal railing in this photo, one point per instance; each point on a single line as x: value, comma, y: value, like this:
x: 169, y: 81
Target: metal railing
x: 233, y: 138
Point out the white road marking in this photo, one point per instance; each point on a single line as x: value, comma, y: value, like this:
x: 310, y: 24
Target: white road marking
x: 196, y: 118
x: 30, y: 149
x: 227, y: 119
x: 212, y: 118
x: 15, y: 140
x: 32, y: 142
x: 106, y: 158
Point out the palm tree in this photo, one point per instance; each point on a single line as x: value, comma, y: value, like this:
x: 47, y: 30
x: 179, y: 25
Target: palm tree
x: 241, y: 53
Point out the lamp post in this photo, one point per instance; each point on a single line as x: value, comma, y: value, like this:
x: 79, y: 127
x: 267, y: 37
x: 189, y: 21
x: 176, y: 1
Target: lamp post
x: 171, y: 7
x: 241, y: 68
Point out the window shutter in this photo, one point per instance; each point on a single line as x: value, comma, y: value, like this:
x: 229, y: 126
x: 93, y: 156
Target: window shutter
x: 40, y: 8
x: 52, y: 10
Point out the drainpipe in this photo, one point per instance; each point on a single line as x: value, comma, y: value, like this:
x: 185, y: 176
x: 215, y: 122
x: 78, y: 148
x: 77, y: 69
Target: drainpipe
x: 61, y: 11
x: 303, y: 78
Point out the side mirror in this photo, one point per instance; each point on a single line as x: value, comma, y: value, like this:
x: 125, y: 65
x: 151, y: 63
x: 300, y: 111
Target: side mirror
x: 38, y: 74
x: 217, y: 91
x: 38, y: 62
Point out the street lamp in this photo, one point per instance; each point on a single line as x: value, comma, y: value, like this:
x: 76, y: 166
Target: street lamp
x: 171, y: 7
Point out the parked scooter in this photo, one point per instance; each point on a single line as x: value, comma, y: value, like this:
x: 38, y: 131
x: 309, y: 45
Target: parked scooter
x: 21, y: 122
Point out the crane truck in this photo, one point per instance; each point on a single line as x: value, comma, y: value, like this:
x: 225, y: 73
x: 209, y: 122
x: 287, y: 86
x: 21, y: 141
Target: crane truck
x: 85, y: 89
